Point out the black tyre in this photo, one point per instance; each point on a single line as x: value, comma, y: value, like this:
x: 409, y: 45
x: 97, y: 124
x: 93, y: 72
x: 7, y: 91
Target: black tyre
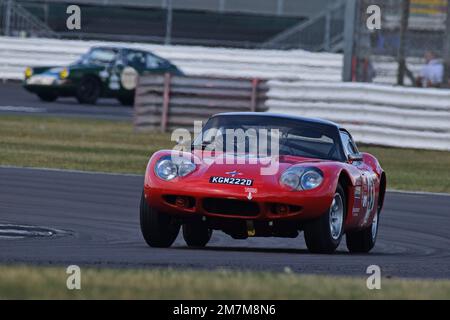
x: 48, y: 96
x: 88, y: 90
x: 126, y: 101
x: 364, y: 240
x: 196, y: 234
x: 159, y: 229
x: 324, y: 235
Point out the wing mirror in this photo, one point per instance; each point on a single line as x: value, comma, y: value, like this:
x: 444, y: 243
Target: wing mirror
x: 355, y: 157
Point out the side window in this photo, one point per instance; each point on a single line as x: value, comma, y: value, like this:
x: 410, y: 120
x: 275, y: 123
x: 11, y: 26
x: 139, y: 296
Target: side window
x: 349, y: 145
x: 136, y: 59
x: 153, y: 62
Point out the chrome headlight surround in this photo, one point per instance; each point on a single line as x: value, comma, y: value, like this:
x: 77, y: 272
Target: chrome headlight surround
x: 302, y: 178
x: 168, y: 169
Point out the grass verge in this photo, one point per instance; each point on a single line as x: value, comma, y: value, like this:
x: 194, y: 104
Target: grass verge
x: 50, y: 283
x: 74, y: 143
x: 113, y: 146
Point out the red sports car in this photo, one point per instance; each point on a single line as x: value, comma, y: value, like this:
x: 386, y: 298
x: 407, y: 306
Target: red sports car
x: 265, y: 175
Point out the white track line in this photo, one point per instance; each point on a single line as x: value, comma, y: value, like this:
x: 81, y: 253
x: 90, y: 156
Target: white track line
x: 424, y: 193
x: 22, y: 109
x: 73, y: 171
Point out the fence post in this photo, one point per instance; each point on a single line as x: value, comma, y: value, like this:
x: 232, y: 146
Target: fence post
x: 137, y: 102
x: 169, y: 19
x: 446, y: 54
x: 349, y: 39
x: 166, y: 101
x: 401, y: 49
x: 254, y: 97
x: 280, y: 7
x: 8, y: 13
x: 327, y: 35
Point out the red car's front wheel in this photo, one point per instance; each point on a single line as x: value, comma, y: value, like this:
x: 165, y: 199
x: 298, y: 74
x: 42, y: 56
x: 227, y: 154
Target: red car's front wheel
x: 159, y: 230
x: 324, y: 235
x: 196, y: 234
x: 362, y: 241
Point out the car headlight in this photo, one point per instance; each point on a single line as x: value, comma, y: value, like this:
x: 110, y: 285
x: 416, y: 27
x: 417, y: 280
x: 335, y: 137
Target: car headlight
x: 64, y: 73
x: 184, y: 168
x: 167, y: 169
x: 311, y: 179
x: 298, y: 178
x: 290, y: 179
x: 28, y: 72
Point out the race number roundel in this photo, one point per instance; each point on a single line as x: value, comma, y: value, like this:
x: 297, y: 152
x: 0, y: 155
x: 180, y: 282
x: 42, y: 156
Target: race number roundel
x: 129, y: 78
x: 371, y: 193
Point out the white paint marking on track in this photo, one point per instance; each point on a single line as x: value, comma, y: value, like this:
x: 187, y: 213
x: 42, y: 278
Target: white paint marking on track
x: 22, y: 109
x: 12, y: 231
x: 73, y: 171
x: 423, y: 193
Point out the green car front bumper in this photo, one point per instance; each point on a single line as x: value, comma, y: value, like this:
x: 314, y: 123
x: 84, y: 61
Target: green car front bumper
x: 47, y: 84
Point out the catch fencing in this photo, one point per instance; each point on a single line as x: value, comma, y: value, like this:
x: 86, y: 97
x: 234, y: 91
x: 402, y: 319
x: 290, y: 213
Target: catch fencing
x: 409, y: 29
x: 166, y: 102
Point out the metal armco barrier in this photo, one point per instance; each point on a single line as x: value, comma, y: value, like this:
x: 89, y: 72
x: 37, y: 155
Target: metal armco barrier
x: 166, y: 102
x: 17, y: 53
x: 381, y: 115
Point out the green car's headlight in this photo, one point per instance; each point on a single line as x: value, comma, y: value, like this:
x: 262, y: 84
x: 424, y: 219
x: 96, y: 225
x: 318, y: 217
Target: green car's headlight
x: 64, y: 74
x: 28, y: 72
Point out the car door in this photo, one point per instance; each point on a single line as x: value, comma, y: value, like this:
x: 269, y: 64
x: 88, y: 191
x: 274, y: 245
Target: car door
x: 365, y: 190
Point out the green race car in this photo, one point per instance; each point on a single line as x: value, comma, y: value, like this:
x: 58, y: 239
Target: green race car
x: 102, y: 72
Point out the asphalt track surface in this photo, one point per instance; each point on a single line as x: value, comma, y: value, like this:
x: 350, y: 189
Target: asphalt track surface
x: 16, y: 100
x: 99, y: 214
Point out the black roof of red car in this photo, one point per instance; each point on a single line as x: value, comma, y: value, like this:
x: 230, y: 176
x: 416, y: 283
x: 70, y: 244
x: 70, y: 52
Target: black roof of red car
x: 280, y: 115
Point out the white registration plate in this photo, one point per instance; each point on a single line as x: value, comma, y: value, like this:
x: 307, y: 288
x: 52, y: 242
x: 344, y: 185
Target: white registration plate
x: 41, y: 80
x: 228, y: 180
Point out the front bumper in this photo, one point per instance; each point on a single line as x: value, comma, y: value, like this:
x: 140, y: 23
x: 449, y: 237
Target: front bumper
x: 229, y: 203
x: 60, y: 87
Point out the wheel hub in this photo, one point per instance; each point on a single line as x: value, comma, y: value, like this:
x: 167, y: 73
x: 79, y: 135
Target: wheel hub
x: 375, y: 227
x: 336, y: 216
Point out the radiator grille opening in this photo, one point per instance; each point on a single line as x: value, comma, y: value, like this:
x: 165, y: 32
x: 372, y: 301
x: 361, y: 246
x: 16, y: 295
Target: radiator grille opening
x: 231, y: 207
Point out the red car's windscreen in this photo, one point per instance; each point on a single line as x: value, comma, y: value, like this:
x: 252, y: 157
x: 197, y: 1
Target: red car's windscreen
x: 295, y: 137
